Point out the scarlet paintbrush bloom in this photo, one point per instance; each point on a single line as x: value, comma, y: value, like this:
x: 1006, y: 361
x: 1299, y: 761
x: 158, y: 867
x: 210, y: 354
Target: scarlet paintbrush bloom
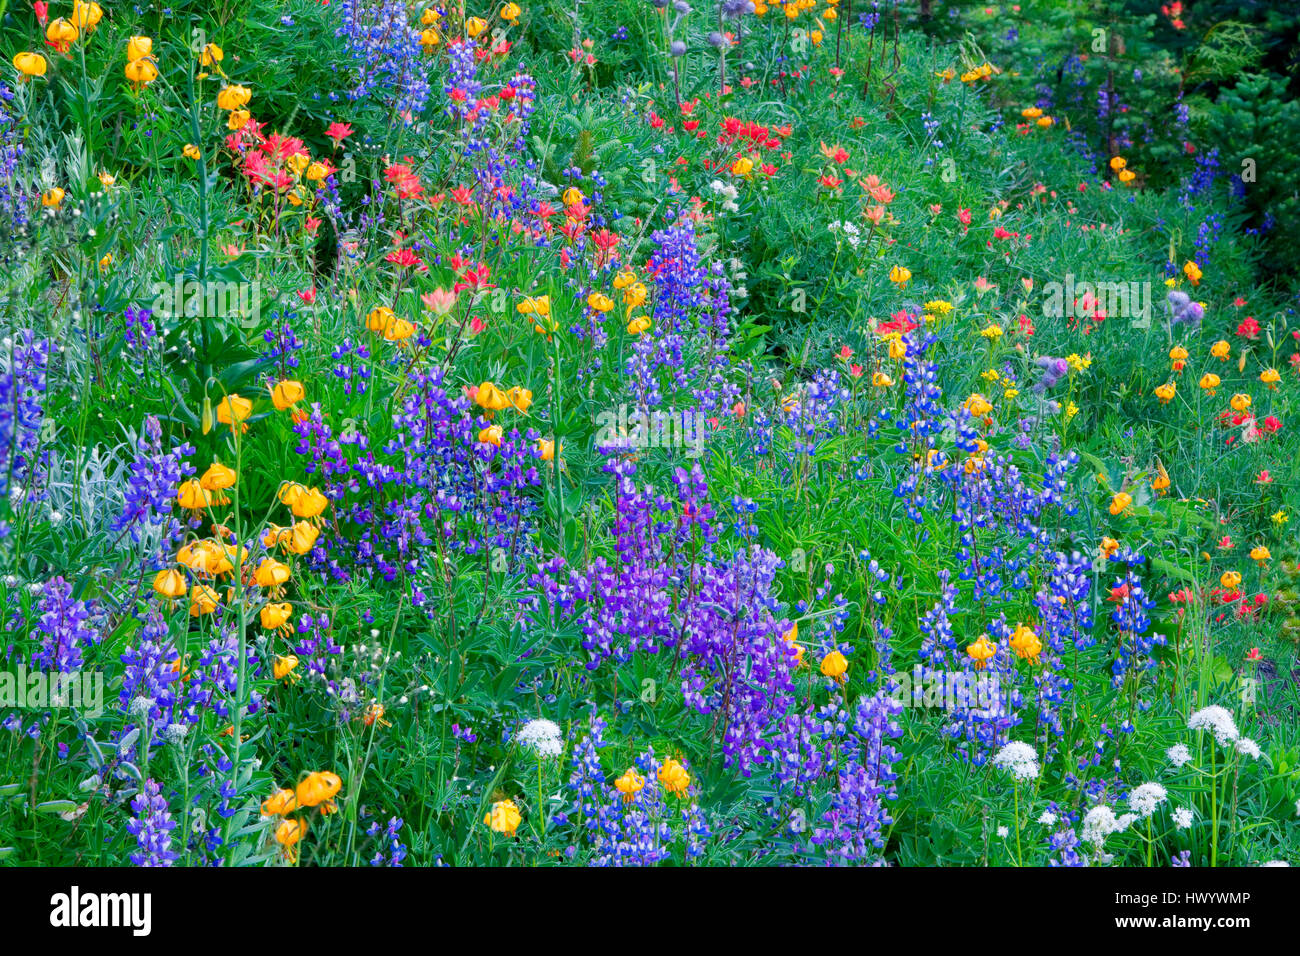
x: 406, y: 259
x: 405, y: 183
x: 338, y: 132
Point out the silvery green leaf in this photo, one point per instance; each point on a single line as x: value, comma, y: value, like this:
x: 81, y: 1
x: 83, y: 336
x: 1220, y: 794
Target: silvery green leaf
x: 56, y: 806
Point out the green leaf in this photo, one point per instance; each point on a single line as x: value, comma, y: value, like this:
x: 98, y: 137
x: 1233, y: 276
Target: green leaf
x: 56, y: 806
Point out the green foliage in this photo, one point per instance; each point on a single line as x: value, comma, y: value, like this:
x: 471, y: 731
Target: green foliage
x: 1253, y: 121
x: 897, y: 175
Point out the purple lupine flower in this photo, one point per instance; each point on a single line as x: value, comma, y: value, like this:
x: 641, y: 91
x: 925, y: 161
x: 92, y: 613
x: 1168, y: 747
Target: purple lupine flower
x: 215, y: 678
x: 431, y: 487
x: 314, y: 645
x: 1064, y: 843
x: 1134, y: 645
x: 385, y: 47
x: 282, y: 342
x: 13, y: 197
x: 464, y: 733
x: 630, y: 830
x: 152, y: 827
x: 859, y: 812
x: 150, y: 673
x: 140, y: 328
x: 64, y: 626
x: 392, y: 850
x: 24, y: 361
x: 150, y: 490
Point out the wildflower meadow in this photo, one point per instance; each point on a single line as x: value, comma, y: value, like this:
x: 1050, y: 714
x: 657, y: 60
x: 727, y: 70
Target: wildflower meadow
x: 661, y: 433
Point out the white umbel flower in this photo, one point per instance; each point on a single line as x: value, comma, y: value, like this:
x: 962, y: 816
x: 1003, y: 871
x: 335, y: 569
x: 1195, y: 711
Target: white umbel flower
x: 1178, y: 754
x: 727, y: 193
x: 1099, y: 823
x: 1146, y: 799
x: 1217, y: 720
x: 1182, y: 818
x: 851, y: 232
x: 542, y: 737
x: 1248, y: 748
x: 1048, y: 818
x: 1018, y: 759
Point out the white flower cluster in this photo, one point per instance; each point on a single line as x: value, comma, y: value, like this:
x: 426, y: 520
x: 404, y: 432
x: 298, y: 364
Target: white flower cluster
x: 1018, y: 759
x: 1182, y: 818
x: 852, y: 235
x: 1178, y: 754
x: 1146, y: 799
x: 1100, y: 822
x: 1217, y: 720
x: 727, y: 192
x: 542, y: 737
